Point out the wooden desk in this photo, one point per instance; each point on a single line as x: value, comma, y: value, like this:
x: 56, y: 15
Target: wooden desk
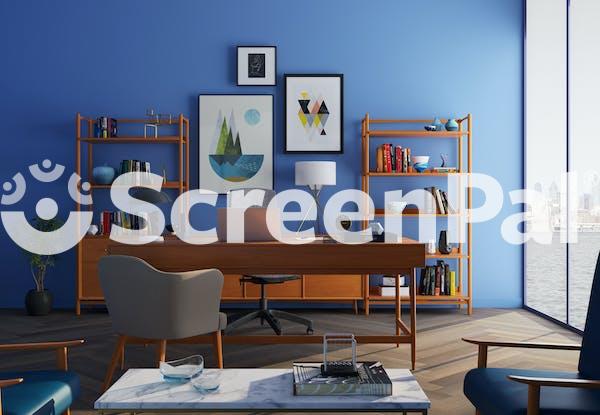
x: 278, y: 258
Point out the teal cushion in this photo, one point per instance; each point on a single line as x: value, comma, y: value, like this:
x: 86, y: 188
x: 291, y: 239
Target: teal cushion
x: 490, y: 391
x: 46, y: 392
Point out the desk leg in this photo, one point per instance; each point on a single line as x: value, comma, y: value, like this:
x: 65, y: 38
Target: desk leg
x: 398, y: 308
x: 366, y: 289
x: 413, y: 318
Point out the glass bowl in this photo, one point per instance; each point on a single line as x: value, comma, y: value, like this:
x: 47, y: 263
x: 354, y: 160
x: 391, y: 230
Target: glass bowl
x: 207, y: 382
x: 182, y: 370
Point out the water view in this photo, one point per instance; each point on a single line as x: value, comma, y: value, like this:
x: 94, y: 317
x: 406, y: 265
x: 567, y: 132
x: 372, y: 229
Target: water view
x: 546, y: 277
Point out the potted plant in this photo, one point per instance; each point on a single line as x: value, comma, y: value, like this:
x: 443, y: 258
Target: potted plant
x: 38, y: 301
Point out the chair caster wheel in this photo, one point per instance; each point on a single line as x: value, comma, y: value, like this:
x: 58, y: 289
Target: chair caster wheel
x: 309, y: 331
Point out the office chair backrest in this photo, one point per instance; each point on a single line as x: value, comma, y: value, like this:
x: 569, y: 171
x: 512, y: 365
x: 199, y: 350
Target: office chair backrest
x: 269, y: 195
x: 145, y: 302
x: 589, y: 358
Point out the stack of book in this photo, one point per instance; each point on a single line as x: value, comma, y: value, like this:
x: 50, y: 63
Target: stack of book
x: 387, y: 288
x: 437, y: 280
x: 440, y: 197
x: 128, y: 166
x: 136, y: 166
x: 122, y: 219
x: 105, y: 127
x: 393, y: 159
x: 372, y: 379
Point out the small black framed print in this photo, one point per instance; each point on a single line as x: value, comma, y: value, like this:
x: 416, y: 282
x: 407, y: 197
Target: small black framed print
x: 256, y: 65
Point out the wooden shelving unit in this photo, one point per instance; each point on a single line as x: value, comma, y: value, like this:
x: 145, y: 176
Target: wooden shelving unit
x: 91, y: 248
x: 462, y: 255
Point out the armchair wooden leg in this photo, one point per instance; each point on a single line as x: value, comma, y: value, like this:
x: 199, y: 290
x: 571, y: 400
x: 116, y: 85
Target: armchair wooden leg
x: 477, y: 412
x: 218, y: 345
x: 61, y: 358
x: 122, y: 363
x: 482, y: 356
x: 113, y: 361
x: 161, y: 352
x: 533, y: 400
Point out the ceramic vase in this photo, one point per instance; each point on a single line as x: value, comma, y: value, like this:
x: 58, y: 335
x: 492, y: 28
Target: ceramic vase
x: 103, y: 174
x: 451, y: 125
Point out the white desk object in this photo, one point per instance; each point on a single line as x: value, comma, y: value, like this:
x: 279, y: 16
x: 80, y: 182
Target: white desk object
x: 264, y: 390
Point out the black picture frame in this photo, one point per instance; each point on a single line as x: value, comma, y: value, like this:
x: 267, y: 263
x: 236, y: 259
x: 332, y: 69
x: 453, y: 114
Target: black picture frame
x: 340, y: 76
x: 239, y: 49
x: 273, y: 126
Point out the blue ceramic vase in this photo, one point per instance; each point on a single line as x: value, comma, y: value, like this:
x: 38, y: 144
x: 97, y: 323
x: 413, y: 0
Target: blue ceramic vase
x: 103, y: 174
x: 438, y: 124
x: 451, y: 125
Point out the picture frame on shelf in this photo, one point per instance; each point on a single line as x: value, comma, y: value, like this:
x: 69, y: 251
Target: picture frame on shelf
x: 236, y: 148
x: 256, y: 65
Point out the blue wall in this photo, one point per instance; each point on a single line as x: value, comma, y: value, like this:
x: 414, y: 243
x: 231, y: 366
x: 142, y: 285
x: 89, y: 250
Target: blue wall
x: 399, y: 59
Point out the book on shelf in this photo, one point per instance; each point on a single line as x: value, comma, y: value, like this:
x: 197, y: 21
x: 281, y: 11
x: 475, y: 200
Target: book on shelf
x: 393, y: 159
x: 388, y: 291
x: 438, y: 280
x: 372, y: 379
x: 390, y: 281
x: 445, y: 169
x: 135, y: 166
x: 105, y: 127
x: 119, y: 218
x: 441, y: 203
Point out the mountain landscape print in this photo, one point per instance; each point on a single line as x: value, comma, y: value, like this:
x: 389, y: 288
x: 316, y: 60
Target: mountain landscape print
x: 236, y: 142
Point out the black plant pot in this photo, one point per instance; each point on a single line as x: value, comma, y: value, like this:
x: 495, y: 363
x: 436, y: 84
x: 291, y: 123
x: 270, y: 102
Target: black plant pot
x: 38, y: 303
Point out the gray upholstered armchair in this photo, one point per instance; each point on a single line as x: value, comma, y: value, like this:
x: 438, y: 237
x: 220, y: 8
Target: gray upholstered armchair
x: 150, y: 306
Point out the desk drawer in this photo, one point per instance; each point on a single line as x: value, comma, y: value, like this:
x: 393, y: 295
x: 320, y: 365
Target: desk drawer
x: 333, y: 286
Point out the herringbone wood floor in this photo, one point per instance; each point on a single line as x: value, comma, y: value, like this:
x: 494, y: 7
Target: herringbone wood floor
x: 442, y: 359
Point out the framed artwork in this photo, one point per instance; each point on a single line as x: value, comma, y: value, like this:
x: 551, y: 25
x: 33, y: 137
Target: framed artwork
x: 257, y: 65
x: 235, y: 142
x: 314, y: 113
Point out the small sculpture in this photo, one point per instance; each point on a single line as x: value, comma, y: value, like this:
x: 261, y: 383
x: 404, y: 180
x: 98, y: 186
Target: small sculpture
x: 444, y: 158
x: 153, y: 116
x: 431, y: 127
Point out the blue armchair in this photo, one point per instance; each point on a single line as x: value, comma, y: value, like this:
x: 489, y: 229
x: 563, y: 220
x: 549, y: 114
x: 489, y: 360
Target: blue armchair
x: 496, y: 391
x: 45, y: 392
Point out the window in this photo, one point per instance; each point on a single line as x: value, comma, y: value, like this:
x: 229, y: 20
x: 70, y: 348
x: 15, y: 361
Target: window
x: 561, y: 104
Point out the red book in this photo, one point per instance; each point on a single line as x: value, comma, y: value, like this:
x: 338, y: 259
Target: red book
x: 106, y: 223
x: 389, y: 157
x: 398, y: 158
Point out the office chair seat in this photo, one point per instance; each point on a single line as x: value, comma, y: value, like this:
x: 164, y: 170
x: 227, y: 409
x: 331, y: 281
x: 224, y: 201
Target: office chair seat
x: 264, y: 313
x: 269, y: 279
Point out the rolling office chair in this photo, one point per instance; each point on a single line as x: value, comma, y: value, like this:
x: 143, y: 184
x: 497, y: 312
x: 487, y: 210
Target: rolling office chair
x: 256, y: 230
x: 264, y: 313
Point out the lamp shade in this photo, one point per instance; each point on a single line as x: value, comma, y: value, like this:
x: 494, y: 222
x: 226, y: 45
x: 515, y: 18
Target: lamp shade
x: 315, y: 173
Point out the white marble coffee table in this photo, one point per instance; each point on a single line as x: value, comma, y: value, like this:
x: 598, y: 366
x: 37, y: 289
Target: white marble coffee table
x: 264, y: 390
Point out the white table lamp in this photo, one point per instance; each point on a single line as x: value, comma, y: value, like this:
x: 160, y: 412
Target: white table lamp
x: 315, y: 175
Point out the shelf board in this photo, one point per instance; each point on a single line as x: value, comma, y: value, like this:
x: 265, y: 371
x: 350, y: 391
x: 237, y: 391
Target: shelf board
x: 453, y: 255
x: 133, y: 140
x: 411, y: 174
x: 416, y: 133
x: 422, y: 298
x: 167, y: 185
x: 413, y: 212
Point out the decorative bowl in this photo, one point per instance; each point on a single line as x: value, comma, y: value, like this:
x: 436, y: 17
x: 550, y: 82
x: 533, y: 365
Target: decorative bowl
x: 207, y: 382
x: 103, y: 174
x: 420, y: 163
x: 182, y: 370
x: 396, y: 207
